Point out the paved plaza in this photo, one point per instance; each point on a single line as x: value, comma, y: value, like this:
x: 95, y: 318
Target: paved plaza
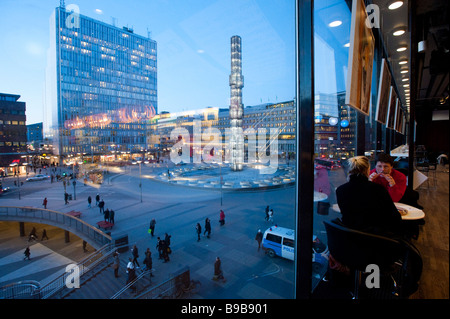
x: 177, y: 208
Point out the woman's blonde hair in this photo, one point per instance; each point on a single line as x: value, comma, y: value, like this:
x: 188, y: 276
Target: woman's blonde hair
x: 358, y: 165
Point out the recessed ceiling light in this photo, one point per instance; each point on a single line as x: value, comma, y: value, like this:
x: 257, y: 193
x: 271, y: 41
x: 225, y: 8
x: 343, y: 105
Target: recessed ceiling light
x: 406, y: 90
x: 399, y: 31
x: 395, y: 5
x: 347, y: 45
x: 335, y: 23
x: 403, y: 62
x: 404, y: 71
x: 401, y: 49
x: 405, y: 79
x: 405, y: 85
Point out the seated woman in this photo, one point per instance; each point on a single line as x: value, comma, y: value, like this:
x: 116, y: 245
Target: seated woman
x: 364, y: 205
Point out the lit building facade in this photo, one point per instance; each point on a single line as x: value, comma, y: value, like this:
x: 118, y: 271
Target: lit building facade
x: 101, y: 86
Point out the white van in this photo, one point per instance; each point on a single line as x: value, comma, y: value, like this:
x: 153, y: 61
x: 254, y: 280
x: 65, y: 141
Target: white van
x: 280, y: 241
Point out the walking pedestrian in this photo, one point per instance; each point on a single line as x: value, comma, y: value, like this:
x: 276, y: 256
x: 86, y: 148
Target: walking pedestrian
x: 135, y: 253
x: 44, y: 235
x: 199, y: 231
x: 33, y: 235
x: 271, y: 215
x: 106, y: 215
x: 116, y: 263
x: 159, y: 247
x: 89, y: 201
x: 44, y: 203
x: 66, y: 198
x: 101, y: 205
x: 152, y: 227
x: 111, y: 216
x: 207, y: 227
x: 84, y: 246
x: 167, y: 242
x: 131, y: 273
x: 258, y: 238
x: 27, y: 253
x: 267, y: 213
x: 148, y: 262
x: 165, y: 251
x: 222, y: 218
x: 97, y: 199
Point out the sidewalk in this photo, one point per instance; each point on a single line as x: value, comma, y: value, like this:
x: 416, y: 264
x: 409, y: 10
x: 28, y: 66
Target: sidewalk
x: 249, y: 273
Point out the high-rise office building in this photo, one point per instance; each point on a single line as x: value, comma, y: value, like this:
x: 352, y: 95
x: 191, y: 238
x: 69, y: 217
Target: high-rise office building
x: 13, y: 130
x: 101, y: 86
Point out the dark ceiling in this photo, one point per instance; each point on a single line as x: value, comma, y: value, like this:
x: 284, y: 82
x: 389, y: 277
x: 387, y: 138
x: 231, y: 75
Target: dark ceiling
x: 433, y: 64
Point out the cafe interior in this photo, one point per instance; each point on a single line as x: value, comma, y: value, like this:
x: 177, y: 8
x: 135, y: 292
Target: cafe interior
x: 409, y: 72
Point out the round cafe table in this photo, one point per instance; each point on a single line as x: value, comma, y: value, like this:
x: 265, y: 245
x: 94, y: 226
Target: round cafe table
x: 413, y: 212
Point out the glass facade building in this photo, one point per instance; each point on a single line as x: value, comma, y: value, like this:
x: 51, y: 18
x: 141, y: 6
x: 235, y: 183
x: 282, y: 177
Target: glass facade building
x: 101, y: 85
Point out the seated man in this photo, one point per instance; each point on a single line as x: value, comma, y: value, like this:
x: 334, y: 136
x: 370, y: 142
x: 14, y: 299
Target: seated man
x: 385, y: 175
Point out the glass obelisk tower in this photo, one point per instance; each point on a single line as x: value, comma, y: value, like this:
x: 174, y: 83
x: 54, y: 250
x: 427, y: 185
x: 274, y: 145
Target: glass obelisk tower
x: 236, y: 142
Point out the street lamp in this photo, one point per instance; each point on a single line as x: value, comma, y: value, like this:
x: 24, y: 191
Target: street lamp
x: 140, y: 175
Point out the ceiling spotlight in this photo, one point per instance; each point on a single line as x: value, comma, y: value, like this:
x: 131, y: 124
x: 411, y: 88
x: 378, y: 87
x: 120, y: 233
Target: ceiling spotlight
x: 399, y: 31
x: 335, y: 23
x: 403, y: 62
x: 401, y: 49
x: 395, y: 5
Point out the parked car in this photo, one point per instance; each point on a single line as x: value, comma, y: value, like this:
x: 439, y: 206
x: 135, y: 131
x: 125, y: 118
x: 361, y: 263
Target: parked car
x: 37, y: 177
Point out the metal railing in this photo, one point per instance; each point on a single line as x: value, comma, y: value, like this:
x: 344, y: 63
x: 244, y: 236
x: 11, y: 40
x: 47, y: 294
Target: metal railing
x: 131, y: 283
x: 27, y: 289
x: 169, y: 287
x: 85, y: 266
x: 94, y: 236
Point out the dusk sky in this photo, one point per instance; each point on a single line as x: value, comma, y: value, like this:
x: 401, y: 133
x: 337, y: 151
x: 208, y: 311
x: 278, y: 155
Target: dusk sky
x: 193, y: 39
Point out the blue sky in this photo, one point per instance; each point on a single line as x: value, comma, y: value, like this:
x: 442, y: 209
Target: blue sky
x: 193, y: 39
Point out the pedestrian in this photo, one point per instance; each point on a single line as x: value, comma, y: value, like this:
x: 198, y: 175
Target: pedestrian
x: 84, y: 246
x: 97, y: 199
x: 207, y: 227
x: 44, y: 203
x: 167, y: 242
x: 199, y: 231
x: 152, y: 227
x: 267, y: 213
x: 44, y: 235
x: 258, y: 238
x: 135, y: 253
x: 148, y: 262
x: 159, y: 247
x: 131, y: 273
x: 89, y: 201
x: 222, y: 218
x: 218, y: 273
x: 111, y: 216
x: 116, y: 263
x: 271, y: 215
x: 106, y: 215
x: 66, y: 198
x: 33, y: 235
x: 165, y: 251
x: 101, y: 205
x: 27, y: 253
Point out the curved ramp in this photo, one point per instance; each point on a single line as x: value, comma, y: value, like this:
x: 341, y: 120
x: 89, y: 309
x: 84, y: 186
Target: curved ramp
x: 92, y: 235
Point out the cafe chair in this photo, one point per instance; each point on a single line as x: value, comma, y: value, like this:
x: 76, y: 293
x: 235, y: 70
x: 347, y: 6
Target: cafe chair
x: 398, y: 260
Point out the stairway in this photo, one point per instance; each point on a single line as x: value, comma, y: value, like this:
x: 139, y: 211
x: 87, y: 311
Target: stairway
x: 103, y: 285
